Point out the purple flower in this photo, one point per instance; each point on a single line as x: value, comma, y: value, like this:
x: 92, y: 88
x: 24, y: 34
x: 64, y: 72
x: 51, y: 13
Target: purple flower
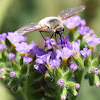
x: 85, y: 52
x: 53, y: 54
x: 41, y: 68
x: 36, y: 50
x: 3, y: 37
x: 12, y: 74
x: 2, y: 71
x: 9, y: 87
x: 60, y: 82
x: 2, y: 47
x: 44, y: 59
x: 77, y: 85
x: 27, y: 59
x: 63, y: 53
x: 11, y: 56
x: 75, y: 46
x: 95, y: 70
x: 83, y: 30
x: 92, y: 41
x: 16, y: 38
x: 82, y: 22
x: 23, y: 47
x: 73, y: 67
x: 62, y: 41
x: 72, y: 22
x: 50, y: 42
x: 55, y: 63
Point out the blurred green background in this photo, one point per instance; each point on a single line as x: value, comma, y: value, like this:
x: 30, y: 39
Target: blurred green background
x: 17, y: 13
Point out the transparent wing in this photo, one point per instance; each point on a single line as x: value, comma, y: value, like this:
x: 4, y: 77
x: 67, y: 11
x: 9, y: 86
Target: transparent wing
x: 28, y: 28
x: 64, y: 14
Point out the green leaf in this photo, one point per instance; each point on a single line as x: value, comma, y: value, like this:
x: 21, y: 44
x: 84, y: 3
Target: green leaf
x: 95, y: 62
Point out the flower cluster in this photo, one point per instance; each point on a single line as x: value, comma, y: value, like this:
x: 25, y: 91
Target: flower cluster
x: 59, y: 63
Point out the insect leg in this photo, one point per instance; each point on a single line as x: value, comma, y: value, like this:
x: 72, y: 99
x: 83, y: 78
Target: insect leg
x: 55, y: 38
x: 52, y: 35
x: 42, y: 36
x: 44, y: 39
x: 61, y: 41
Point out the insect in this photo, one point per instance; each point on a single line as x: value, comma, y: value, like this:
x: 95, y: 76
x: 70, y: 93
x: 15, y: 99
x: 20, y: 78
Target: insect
x: 52, y: 25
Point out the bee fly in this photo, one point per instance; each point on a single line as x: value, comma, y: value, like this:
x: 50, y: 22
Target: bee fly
x: 52, y: 25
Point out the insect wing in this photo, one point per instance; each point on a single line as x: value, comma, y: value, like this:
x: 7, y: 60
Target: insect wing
x: 28, y: 28
x: 64, y: 14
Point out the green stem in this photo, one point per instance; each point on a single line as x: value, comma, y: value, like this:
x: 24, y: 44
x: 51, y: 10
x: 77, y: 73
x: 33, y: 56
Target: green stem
x: 26, y: 84
x: 79, y: 80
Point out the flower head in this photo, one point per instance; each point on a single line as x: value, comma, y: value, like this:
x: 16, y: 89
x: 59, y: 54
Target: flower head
x: 73, y: 67
x: 11, y: 56
x: 85, y: 52
x: 12, y: 74
x: 60, y: 82
x: 27, y: 59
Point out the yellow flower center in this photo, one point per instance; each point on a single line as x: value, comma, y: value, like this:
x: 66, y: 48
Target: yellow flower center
x: 91, y: 47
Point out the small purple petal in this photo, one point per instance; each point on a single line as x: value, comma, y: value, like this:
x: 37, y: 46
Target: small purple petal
x: 97, y: 84
x: 82, y: 22
x: 73, y: 67
x: 3, y: 47
x: 16, y: 38
x: 77, y: 85
x: 3, y: 37
x: 40, y: 68
x: 44, y: 59
x: 50, y: 42
x: 95, y: 70
x: 85, y: 52
x: 92, y: 41
x: 72, y: 22
x: 55, y: 63
x: 11, y: 56
x: 36, y: 50
x: 23, y: 47
x: 12, y: 74
x: 60, y: 82
x: 2, y: 71
x: 83, y: 30
x: 64, y: 53
x: 27, y: 59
